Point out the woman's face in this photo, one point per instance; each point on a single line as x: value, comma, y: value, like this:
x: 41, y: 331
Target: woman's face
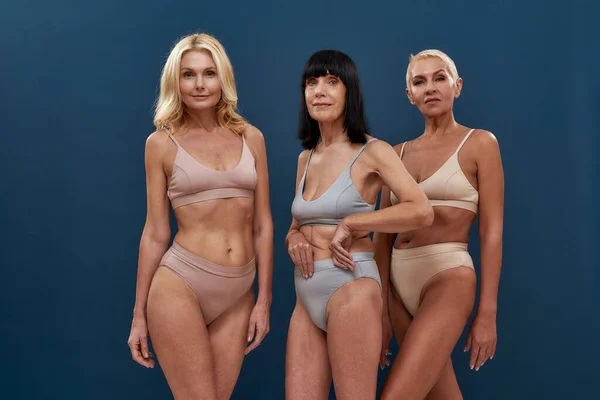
x: 431, y: 87
x: 325, y: 98
x: 199, y: 81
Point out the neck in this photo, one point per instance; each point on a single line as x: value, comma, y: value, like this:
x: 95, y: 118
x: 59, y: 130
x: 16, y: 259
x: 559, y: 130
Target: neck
x: 332, y: 131
x: 440, y: 125
x: 205, y: 120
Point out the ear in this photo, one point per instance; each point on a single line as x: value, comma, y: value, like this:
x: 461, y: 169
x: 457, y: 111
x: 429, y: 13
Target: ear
x: 410, y: 97
x: 458, y: 88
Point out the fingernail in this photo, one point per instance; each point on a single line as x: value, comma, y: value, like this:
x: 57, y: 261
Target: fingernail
x: 465, y: 350
x: 472, y: 366
x: 477, y: 369
x: 310, y: 274
x: 491, y: 358
x: 146, y: 355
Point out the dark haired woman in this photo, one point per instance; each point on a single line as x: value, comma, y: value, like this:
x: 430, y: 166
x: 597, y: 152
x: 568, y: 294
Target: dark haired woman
x: 335, y: 330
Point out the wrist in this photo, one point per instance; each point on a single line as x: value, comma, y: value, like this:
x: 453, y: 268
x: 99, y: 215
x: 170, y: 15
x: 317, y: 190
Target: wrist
x: 139, y: 313
x: 291, y: 233
x: 264, y: 299
x: 347, y: 223
x: 486, y: 311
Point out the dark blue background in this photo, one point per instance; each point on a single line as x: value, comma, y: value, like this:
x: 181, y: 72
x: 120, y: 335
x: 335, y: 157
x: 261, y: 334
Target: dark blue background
x: 78, y: 82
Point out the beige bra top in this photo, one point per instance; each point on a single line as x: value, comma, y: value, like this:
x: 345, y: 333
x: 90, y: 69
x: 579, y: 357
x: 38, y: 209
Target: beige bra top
x: 192, y: 182
x: 448, y: 186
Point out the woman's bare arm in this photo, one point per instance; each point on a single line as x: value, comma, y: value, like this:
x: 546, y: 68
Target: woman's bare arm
x: 157, y: 231
x: 413, y: 212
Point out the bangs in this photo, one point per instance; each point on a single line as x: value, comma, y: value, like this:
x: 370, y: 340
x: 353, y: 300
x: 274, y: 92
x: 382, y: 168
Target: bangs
x: 340, y: 65
x: 326, y: 62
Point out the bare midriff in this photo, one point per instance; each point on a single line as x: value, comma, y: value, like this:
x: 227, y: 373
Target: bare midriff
x: 220, y: 230
x: 319, y: 236
x: 450, y: 224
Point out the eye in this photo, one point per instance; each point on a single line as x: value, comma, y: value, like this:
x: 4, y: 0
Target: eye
x: 417, y: 83
x: 211, y: 73
x: 187, y: 74
x: 333, y: 82
x: 440, y: 78
x: 311, y: 82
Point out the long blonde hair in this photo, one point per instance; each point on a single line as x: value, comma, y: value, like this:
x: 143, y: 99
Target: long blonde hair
x: 170, y: 109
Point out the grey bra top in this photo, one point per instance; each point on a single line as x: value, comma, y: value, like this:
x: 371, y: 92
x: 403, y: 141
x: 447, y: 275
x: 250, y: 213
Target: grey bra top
x: 340, y: 200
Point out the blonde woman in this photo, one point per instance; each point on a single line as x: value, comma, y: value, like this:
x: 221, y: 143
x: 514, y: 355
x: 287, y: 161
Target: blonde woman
x: 430, y: 270
x: 195, y: 298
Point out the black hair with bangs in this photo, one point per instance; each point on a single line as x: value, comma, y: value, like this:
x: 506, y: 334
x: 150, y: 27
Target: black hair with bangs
x: 336, y: 63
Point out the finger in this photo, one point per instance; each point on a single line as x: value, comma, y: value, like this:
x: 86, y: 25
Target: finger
x: 343, y: 263
x: 310, y: 261
x: 297, y: 260
x: 482, y: 358
x: 474, y: 355
x: 493, y: 350
x: 343, y: 257
x: 469, y: 342
x: 256, y: 343
x: 292, y: 255
x: 136, y: 354
x: 337, y: 262
x: 251, y: 330
x: 382, y: 361
x: 302, y: 258
x: 145, y: 351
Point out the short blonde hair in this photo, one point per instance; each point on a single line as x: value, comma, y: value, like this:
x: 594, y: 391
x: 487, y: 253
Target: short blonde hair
x: 432, y: 53
x: 170, y: 109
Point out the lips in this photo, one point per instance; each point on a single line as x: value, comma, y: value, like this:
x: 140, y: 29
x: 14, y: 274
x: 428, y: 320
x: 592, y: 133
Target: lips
x: 431, y: 100
x: 320, y: 104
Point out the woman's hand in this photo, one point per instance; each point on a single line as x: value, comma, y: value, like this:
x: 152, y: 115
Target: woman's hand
x: 340, y: 245
x: 138, y: 342
x: 301, y: 253
x: 258, y: 327
x: 386, y: 337
x: 482, y: 340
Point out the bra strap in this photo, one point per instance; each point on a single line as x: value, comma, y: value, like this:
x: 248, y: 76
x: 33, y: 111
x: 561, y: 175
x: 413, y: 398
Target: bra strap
x: 402, y: 150
x: 166, y: 128
x: 361, y: 150
x: 464, y: 140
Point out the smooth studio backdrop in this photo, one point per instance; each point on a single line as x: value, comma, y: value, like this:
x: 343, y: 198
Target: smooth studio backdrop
x: 78, y: 81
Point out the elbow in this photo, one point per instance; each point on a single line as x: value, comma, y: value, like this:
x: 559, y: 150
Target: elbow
x: 262, y: 227
x: 493, y: 238
x: 159, y: 237
x: 161, y: 240
x: 425, y: 215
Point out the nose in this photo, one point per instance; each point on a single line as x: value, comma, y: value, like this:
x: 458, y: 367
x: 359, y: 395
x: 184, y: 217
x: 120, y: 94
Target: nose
x: 430, y: 88
x: 199, y: 83
x: 319, y: 89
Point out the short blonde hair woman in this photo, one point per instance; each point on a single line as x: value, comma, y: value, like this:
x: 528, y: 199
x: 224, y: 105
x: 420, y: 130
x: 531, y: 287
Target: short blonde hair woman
x: 430, y: 270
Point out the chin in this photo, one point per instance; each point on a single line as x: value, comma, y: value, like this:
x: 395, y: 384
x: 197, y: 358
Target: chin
x: 325, y: 118
x: 434, y: 113
x: 202, y: 106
